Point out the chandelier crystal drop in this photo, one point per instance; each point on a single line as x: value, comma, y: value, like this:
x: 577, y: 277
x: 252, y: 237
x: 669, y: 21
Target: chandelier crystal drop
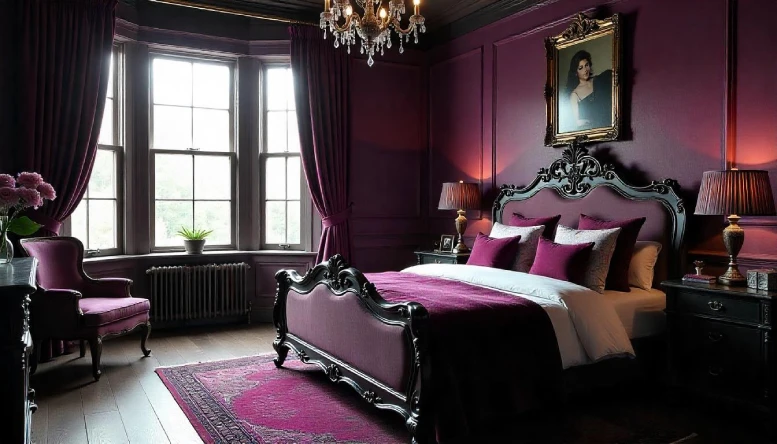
x: 373, y: 27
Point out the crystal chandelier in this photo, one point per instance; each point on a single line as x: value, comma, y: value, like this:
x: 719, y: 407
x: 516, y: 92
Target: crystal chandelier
x: 374, y: 27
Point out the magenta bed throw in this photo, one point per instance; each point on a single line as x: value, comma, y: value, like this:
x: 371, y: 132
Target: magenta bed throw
x: 493, y: 354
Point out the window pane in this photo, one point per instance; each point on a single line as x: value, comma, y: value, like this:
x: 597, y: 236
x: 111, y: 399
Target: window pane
x: 275, y: 178
x: 78, y: 222
x: 278, y: 86
x: 290, y: 90
x: 102, y: 224
x: 292, y: 175
x: 276, y: 132
x: 172, y: 127
x: 211, y: 85
x: 293, y: 133
x: 170, y: 217
x: 110, y: 78
x: 212, y: 177
x: 173, y: 176
x: 211, y: 130
x: 216, y: 216
x: 172, y: 82
x: 293, y: 222
x: 103, y: 180
x: 275, y: 232
x: 106, y: 128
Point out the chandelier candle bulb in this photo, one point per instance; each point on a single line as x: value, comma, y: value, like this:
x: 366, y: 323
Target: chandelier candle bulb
x: 416, y: 3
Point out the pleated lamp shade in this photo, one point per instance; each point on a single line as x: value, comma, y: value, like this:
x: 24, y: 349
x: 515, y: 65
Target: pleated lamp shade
x: 740, y: 192
x: 459, y: 196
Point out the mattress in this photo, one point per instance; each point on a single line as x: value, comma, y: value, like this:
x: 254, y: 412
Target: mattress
x: 640, y: 311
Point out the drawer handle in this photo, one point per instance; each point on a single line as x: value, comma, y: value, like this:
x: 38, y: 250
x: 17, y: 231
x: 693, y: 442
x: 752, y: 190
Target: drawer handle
x: 715, y: 305
x: 715, y: 337
x: 715, y: 371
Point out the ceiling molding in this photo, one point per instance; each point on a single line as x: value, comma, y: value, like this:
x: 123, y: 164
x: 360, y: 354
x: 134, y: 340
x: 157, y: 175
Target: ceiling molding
x: 277, y: 11
x: 478, y: 19
x: 446, y: 19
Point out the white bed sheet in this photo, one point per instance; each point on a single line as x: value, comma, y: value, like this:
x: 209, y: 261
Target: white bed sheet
x: 640, y: 311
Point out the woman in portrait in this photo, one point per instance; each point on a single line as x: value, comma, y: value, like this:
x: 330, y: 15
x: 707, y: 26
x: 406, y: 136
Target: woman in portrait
x: 589, y: 95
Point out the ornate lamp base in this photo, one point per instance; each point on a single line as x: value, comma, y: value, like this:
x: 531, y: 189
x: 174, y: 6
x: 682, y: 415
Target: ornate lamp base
x: 461, y: 227
x: 733, y: 238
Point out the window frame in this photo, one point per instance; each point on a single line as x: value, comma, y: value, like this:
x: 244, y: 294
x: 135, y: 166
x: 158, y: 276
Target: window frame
x: 305, y: 201
x: 231, y: 154
x: 117, y: 147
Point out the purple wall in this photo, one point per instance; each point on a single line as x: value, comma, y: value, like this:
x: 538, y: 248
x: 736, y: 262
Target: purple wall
x: 388, y: 151
x: 487, y: 110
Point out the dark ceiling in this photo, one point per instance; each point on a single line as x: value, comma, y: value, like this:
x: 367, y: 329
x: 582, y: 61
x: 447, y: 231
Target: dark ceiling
x: 445, y: 19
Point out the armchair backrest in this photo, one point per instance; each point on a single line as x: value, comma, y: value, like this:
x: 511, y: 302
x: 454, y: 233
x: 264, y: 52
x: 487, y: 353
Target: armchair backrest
x: 60, y: 261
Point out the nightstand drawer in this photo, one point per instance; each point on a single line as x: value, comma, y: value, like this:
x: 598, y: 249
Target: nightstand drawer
x: 429, y: 259
x: 717, y: 356
x: 748, y: 310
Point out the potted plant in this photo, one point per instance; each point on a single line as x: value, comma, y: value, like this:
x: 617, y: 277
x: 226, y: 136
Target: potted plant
x: 194, y: 239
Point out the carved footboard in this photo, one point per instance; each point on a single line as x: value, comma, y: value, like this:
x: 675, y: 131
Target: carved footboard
x: 334, y: 318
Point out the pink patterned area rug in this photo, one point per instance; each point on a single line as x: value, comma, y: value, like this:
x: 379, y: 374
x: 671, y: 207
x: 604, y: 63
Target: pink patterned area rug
x: 249, y: 400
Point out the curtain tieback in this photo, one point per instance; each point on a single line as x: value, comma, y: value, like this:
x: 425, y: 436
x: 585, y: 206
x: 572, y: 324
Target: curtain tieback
x: 47, y: 223
x: 337, y: 218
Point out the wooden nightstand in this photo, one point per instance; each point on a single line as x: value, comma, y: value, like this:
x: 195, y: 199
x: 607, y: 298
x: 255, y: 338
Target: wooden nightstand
x: 721, y: 341
x: 437, y: 257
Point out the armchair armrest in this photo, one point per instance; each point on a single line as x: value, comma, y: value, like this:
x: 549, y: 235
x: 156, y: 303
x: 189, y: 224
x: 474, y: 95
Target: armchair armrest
x: 54, y: 312
x: 107, y: 288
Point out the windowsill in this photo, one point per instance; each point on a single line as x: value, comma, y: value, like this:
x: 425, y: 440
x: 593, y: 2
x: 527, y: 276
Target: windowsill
x: 212, y: 253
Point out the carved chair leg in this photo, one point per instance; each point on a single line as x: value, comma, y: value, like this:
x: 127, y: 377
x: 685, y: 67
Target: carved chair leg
x: 96, y: 347
x: 145, y: 331
x: 82, y: 346
x: 36, y: 345
x: 282, y: 352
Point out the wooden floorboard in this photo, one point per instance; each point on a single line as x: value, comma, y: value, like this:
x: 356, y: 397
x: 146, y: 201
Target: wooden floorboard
x: 105, y: 428
x: 130, y: 404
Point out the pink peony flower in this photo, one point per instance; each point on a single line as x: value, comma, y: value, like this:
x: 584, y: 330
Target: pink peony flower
x: 30, y: 198
x: 6, y: 180
x: 8, y: 197
x: 47, y: 191
x: 29, y: 180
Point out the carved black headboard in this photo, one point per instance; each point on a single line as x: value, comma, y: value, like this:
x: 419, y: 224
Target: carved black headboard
x: 577, y: 174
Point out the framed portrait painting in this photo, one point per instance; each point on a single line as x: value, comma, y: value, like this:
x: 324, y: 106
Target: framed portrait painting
x: 583, y: 89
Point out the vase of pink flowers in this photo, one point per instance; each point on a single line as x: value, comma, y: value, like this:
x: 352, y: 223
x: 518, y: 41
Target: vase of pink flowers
x: 27, y: 190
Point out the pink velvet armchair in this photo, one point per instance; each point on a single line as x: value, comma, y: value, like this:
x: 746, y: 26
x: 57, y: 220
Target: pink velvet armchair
x: 70, y: 305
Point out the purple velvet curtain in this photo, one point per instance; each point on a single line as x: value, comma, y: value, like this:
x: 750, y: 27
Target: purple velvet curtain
x: 65, y: 61
x: 321, y: 85
x: 64, y: 50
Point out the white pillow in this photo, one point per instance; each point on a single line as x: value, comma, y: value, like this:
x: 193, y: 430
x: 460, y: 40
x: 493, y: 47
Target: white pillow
x: 643, y: 264
x: 601, y: 255
x: 527, y: 246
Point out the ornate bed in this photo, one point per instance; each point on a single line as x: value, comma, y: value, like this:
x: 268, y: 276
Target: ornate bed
x: 356, y: 320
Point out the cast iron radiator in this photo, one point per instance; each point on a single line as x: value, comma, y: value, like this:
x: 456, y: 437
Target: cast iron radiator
x: 200, y: 292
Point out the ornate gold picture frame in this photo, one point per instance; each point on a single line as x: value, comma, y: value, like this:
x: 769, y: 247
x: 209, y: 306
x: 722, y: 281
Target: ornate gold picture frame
x: 583, y: 92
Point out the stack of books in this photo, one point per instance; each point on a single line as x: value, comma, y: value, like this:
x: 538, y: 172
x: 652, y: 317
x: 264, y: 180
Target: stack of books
x: 700, y: 278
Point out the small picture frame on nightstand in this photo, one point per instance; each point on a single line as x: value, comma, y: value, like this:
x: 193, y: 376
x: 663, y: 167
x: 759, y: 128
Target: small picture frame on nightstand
x: 446, y: 243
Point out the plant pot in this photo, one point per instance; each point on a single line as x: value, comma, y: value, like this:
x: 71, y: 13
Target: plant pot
x: 194, y: 246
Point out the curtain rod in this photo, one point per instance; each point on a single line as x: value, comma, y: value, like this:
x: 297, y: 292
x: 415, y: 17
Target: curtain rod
x: 197, y: 5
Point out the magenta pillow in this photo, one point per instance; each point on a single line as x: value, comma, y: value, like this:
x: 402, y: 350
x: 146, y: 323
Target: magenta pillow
x: 494, y: 253
x: 618, y: 274
x: 549, y: 223
x: 563, y: 262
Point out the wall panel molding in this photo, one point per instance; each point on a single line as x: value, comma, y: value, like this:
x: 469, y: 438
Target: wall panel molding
x: 433, y: 197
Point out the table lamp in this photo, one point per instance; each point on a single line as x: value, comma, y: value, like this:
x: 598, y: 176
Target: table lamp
x: 734, y: 193
x: 460, y: 196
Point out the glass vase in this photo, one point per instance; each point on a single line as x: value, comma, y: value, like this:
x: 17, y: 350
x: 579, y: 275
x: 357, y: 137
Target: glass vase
x: 6, y: 247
